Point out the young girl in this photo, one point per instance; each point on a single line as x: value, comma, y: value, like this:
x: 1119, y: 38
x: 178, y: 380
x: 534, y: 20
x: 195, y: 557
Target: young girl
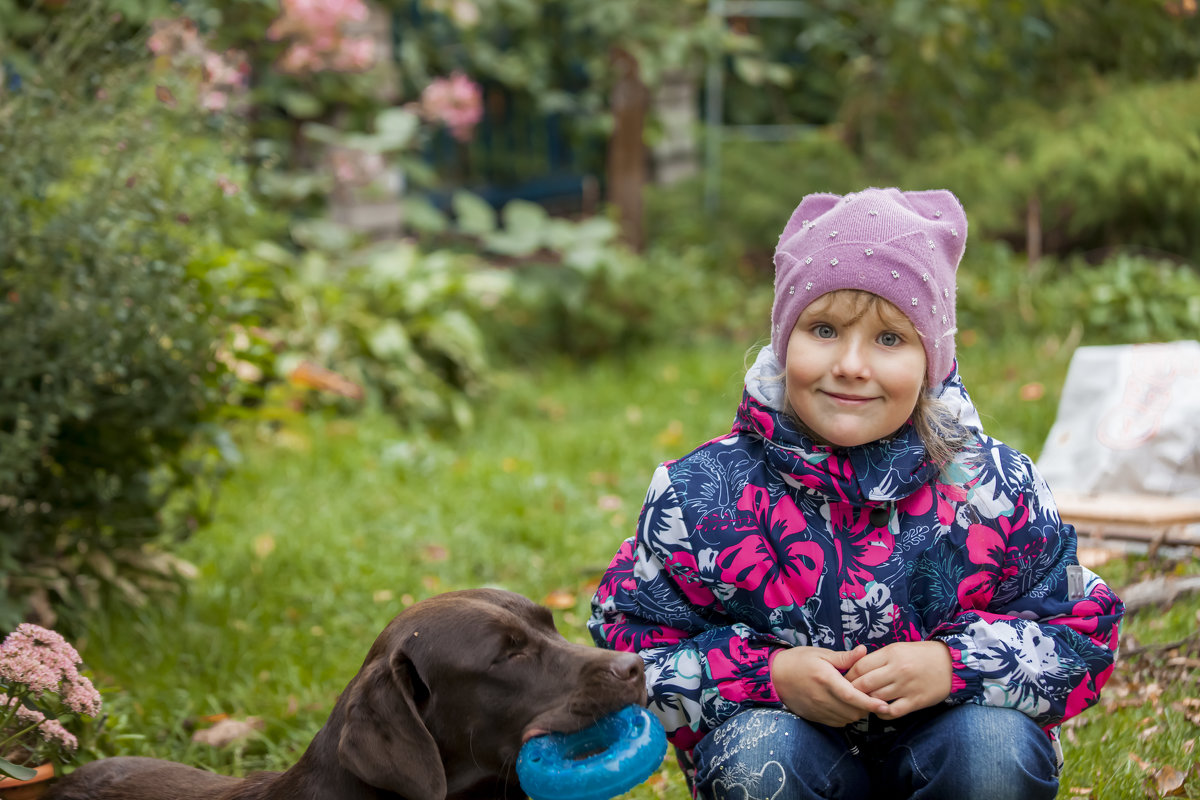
x: 857, y: 592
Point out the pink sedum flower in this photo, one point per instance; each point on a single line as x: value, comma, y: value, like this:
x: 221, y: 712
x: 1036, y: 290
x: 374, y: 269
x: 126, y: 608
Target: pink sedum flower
x: 44, y: 662
x: 456, y: 102
x: 51, y: 730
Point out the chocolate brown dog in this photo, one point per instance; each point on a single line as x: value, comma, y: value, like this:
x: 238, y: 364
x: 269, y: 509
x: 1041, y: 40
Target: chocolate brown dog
x: 443, y: 702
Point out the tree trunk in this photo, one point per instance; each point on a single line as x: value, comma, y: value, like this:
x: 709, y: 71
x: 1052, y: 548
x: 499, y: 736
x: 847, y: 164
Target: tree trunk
x: 630, y: 101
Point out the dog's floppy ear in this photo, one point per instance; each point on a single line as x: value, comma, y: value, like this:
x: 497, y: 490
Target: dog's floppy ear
x: 383, y: 739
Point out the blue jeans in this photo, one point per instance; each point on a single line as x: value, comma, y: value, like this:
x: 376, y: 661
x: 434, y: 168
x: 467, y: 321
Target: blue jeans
x: 965, y: 752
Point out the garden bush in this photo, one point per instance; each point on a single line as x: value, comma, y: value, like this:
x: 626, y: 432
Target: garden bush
x: 760, y: 184
x: 1117, y: 172
x: 573, y: 289
x: 1126, y: 298
x: 395, y: 327
x: 120, y: 218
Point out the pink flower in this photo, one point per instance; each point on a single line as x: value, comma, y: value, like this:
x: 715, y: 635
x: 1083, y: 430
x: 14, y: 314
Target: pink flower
x: 860, y: 548
x: 743, y: 674
x: 784, y: 564
x: 214, y: 101
x: 987, y: 547
x: 217, y: 75
x: 45, y: 663
x: 322, y: 36
x: 352, y: 167
x: 227, y: 186
x: 456, y: 102
x: 51, y: 730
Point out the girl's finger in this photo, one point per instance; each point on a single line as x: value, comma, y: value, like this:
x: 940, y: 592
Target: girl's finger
x: 889, y: 692
x: 898, y: 709
x: 857, y: 699
x: 875, y: 679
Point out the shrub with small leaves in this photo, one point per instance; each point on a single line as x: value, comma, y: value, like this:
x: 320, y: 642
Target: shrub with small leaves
x: 119, y: 215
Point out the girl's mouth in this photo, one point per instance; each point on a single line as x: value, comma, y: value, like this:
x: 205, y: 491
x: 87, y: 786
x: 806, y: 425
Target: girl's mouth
x: 849, y: 398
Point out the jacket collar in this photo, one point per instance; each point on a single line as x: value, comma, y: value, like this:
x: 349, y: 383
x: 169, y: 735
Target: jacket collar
x: 882, y: 471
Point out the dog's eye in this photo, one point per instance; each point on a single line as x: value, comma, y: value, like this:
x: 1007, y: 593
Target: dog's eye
x: 514, y: 648
x: 508, y: 655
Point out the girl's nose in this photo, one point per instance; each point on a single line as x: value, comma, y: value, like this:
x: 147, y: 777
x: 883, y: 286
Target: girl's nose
x: 851, y: 360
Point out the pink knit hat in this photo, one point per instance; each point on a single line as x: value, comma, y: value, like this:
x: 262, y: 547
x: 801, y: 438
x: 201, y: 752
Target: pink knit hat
x: 903, y: 246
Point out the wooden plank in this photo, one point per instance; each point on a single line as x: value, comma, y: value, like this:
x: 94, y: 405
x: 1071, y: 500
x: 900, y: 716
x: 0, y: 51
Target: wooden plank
x: 1128, y: 509
x: 1148, y: 519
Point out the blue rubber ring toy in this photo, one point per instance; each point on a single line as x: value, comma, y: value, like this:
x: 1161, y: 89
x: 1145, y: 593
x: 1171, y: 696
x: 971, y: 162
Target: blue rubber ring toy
x: 601, y: 761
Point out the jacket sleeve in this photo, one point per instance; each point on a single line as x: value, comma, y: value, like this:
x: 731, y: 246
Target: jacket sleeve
x: 1039, y: 632
x: 701, y: 666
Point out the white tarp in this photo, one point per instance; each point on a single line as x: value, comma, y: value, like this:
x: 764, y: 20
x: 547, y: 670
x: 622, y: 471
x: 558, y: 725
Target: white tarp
x: 1128, y: 422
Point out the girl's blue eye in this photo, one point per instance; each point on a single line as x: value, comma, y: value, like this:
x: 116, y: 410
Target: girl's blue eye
x: 889, y: 339
x: 824, y: 332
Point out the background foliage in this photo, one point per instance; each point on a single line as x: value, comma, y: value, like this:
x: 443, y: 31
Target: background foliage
x: 116, y: 233
x: 474, y: 400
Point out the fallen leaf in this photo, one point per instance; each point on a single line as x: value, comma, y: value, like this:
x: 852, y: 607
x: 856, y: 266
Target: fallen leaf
x: 559, y: 599
x: 553, y: 409
x: 210, y: 719
x: 671, y: 436
x: 435, y: 552
x: 1169, y: 782
x: 609, y: 502
x: 264, y: 545
x: 598, y: 478
x: 589, y: 586
x: 1145, y: 765
x: 314, y: 376
x: 228, y: 731
x: 1032, y: 391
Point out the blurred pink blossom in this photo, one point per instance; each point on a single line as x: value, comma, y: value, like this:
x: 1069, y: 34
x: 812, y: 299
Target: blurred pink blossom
x: 456, y: 102
x: 322, y: 37
x: 227, y: 186
x: 353, y: 167
x: 219, y: 76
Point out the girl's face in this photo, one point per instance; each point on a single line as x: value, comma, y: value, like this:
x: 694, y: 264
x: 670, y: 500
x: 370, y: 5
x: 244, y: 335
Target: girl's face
x: 855, y: 367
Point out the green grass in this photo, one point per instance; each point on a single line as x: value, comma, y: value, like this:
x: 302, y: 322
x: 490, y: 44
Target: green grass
x: 332, y: 526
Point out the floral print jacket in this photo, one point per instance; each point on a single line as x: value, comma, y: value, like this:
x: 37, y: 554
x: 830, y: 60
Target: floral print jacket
x: 761, y: 540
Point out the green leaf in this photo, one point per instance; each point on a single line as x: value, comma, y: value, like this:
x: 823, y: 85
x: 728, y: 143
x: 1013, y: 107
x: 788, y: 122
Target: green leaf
x: 475, y: 216
x: 514, y: 245
x: 16, y: 770
x: 525, y: 218
x: 393, y: 266
x: 390, y: 341
x: 397, y: 127
x: 302, y: 105
x: 422, y: 216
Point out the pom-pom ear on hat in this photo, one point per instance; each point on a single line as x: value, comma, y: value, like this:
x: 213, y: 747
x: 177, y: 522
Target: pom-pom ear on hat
x: 902, y: 246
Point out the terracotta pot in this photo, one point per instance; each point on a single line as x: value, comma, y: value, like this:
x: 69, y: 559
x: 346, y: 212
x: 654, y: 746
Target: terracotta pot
x: 38, y: 785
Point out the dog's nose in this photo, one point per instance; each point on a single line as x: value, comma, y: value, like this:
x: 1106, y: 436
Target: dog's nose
x: 626, y: 666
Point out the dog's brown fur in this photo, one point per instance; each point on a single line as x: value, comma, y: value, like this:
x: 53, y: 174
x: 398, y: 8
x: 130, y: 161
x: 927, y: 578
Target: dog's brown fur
x: 443, y: 702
